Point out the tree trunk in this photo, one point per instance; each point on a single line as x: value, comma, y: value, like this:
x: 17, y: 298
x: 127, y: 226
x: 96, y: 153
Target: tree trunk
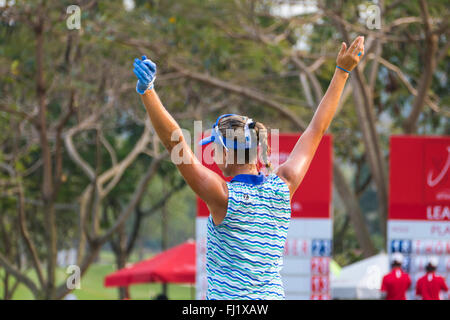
x: 374, y: 155
x: 354, y: 211
x: 431, y: 46
x: 47, y: 181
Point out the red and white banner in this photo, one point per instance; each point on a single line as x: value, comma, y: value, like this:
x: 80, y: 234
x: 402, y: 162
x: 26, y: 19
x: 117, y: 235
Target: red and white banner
x: 308, y: 246
x: 419, y: 202
x: 419, y: 178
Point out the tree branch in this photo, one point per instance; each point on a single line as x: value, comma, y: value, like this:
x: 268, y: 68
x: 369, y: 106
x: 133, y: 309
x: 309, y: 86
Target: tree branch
x: 139, y: 192
x: 246, y: 92
x: 431, y: 40
x: 404, y: 80
x: 18, y: 275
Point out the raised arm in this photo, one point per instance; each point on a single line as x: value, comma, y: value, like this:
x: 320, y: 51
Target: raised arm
x: 207, y: 184
x: 295, y: 167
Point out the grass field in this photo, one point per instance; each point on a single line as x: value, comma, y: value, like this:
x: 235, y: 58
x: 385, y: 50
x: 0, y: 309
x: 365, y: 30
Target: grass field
x: 92, y: 286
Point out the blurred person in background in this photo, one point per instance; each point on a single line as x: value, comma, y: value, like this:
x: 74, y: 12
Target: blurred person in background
x: 430, y: 286
x: 397, y: 282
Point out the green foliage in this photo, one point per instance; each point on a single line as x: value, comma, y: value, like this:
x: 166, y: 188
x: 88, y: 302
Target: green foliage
x: 210, y: 37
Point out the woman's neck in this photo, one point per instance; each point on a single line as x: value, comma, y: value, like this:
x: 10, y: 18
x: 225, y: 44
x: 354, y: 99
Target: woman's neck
x: 243, y: 169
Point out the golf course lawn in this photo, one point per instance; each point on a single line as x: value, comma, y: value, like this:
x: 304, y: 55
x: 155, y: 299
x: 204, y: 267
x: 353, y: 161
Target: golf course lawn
x: 92, y: 287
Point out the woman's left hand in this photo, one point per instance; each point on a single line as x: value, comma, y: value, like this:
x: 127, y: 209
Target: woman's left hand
x: 349, y: 58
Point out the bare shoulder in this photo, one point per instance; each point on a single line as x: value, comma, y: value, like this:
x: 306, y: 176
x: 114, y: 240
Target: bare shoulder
x: 286, y: 175
x: 218, y: 208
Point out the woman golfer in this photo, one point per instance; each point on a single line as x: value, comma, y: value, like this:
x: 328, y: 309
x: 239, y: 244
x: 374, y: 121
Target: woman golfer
x: 249, y: 216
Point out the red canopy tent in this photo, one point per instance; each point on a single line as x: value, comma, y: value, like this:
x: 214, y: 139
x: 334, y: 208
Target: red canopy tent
x: 176, y: 265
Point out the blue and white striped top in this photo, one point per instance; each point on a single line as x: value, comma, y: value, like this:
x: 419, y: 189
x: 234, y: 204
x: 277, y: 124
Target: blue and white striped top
x: 245, y: 252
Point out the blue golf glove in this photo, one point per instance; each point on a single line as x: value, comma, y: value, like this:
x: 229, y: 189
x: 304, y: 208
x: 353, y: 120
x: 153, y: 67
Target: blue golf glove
x: 145, y: 71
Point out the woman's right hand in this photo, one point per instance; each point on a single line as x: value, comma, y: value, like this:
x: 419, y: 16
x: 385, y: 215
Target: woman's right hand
x: 145, y: 71
x: 349, y: 58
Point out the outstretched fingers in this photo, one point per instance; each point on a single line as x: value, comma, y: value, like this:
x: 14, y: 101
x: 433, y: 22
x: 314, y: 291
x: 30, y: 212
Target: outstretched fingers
x: 357, y: 45
x: 361, y: 52
x: 350, y: 56
x: 343, y: 49
x: 354, y: 45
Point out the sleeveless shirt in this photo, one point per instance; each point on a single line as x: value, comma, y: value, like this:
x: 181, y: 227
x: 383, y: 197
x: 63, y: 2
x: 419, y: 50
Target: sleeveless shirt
x: 245, y: 251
